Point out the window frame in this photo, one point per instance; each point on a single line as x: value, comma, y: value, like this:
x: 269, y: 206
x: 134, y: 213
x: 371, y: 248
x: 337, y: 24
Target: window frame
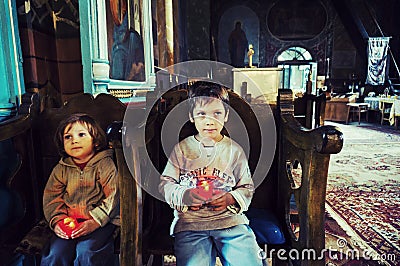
x: 301, y: 54
x: 12, y: 83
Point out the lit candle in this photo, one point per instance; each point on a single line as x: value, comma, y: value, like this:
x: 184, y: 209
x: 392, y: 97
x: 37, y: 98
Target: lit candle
x: 327, y: 68
x: 68, y: 225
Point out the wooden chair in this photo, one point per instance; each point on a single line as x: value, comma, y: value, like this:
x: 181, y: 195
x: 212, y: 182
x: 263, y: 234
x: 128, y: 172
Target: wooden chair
x: 384, y: 108
x: 358, y: 109
x: 148, y: 236
x: 105, y: 109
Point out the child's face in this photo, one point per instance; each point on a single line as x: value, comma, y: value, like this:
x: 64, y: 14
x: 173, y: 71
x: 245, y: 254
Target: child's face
x: 209, y: 119
x: 78, y: 143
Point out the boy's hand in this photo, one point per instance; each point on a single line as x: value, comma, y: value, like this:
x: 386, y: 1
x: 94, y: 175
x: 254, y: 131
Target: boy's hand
x: 192, y: 199
x: 222, y: 202
x: 59, y: 232
x: 85, y: 228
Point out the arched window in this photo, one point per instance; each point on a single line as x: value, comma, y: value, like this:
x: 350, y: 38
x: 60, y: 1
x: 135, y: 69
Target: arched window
x: 295, y: 53
x: 297, y: 66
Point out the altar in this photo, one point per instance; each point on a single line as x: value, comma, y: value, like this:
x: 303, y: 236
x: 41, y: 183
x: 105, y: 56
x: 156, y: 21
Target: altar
x: 258, y: 84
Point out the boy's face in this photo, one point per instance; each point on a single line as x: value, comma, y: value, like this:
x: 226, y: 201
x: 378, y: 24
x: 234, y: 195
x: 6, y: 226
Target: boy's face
x: 78, y: 143
x: 209, y: 116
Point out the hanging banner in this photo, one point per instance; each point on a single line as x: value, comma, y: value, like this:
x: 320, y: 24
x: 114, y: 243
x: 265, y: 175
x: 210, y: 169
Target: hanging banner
x: 377, y: 55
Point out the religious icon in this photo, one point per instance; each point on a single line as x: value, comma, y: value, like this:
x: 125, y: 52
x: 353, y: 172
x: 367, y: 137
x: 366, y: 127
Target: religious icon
x: 237, y: 45
x: 127, y: 52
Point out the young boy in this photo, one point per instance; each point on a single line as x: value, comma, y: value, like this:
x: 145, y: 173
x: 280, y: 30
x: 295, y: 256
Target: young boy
x: 81, y: 198
x: 207, y: 181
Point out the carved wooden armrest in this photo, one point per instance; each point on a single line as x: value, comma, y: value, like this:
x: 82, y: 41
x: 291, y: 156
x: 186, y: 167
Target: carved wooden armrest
x: 130, y: 198
x: 14, y: 126
x: 309, y: 150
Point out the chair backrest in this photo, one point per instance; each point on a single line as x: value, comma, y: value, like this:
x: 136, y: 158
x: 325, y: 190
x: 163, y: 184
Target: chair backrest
x: 310, y: 110
x: 251, y: 117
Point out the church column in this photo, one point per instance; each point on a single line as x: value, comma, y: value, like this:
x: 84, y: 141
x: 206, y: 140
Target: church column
x: 165, y: 32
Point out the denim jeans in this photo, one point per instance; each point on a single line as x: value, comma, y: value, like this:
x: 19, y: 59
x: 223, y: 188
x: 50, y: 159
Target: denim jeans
x: 235, y: 246
x: 96, y: 248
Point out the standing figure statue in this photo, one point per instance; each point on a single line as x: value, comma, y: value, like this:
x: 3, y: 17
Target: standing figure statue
x: 237, y: 45
x: 250, y: 54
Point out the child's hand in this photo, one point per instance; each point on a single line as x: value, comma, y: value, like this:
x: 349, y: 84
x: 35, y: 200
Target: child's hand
x: 222, y: 201
x: 85, y: 228
x: 59, y: 232
x: 193, y: 199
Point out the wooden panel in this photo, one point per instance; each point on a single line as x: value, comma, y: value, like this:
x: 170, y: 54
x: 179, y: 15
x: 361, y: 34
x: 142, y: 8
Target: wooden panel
x: 336, y: 108
x: 336, y: 111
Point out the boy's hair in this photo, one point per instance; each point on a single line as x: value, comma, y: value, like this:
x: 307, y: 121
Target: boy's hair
x: 207, y: 90
x: 94, y: 129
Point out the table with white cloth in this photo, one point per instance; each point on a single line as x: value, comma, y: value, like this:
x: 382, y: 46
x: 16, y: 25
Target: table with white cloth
x: 394, y: 112
x: 373, y: 102
x: 387, y: 106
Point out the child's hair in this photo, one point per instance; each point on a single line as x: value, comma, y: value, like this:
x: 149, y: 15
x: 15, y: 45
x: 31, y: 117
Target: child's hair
x: 208, y: 90
x: 94, y: 129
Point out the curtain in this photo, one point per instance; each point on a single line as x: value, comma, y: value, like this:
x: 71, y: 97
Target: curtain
x: 377, y: 55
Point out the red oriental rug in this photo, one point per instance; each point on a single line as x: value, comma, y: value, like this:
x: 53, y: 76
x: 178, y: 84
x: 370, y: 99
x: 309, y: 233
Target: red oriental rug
x: 363, y: 196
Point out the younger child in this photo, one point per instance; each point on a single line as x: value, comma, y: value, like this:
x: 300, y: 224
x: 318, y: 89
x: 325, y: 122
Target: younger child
x: 81, y: 189
x: 207, y: 181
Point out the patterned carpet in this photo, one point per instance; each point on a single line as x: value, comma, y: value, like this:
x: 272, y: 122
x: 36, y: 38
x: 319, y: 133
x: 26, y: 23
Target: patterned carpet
x: 363, y: 196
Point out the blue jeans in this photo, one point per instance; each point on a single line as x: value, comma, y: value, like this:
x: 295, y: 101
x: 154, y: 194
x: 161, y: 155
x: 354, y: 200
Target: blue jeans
x: 234, y: 246
x: 96, y: 248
